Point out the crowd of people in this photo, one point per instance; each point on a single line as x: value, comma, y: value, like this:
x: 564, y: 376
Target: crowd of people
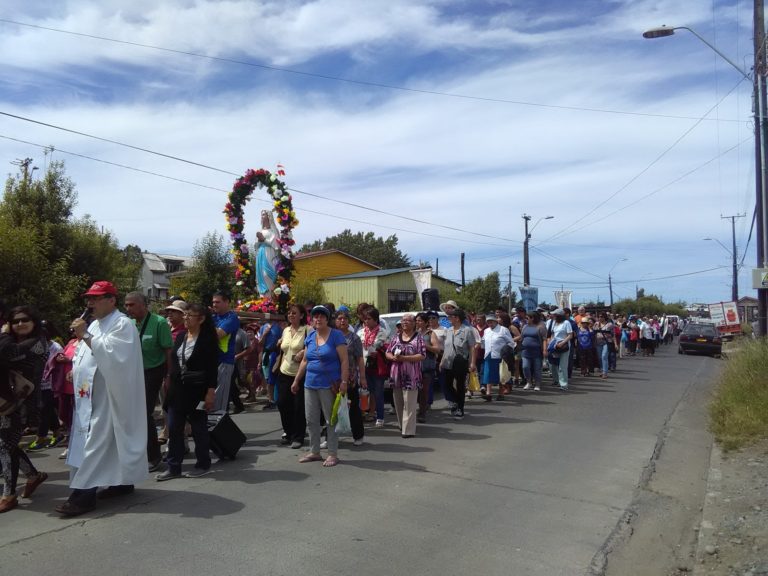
x: 97, y: 391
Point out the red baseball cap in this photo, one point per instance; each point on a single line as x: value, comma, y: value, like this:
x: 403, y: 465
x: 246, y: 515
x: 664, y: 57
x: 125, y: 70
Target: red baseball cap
x: 101, y: 288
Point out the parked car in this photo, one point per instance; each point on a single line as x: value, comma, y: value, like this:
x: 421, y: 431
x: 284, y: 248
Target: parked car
x: 703, y: 338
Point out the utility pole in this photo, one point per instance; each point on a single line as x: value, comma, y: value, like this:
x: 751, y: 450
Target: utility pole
x: 526, y: 266
x: 509, y: 295
x: 735, y: 281
x: 610, y: 288
x: 24, y: 165
x: 462, y: 269
x: 760, y: 158
x: 437, y: 266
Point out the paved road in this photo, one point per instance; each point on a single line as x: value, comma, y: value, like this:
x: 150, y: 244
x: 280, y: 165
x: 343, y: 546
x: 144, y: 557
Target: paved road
x: 531, y: 486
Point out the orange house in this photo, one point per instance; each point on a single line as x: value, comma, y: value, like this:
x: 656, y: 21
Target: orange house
x: 328, y: 263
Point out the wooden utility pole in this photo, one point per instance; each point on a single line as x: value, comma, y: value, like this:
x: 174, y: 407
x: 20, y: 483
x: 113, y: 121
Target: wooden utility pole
x: 462, y: 269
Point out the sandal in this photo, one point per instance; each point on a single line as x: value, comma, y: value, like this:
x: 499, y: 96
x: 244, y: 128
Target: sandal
x: 310, y: 458
x: 330, y: 462
x: 8, y: 503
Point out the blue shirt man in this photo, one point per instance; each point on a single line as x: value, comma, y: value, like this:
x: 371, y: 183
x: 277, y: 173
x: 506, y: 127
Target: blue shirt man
x: 227, y: 324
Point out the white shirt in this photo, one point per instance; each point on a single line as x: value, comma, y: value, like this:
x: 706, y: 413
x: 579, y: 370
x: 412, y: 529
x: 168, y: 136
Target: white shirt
x: 495, y: 339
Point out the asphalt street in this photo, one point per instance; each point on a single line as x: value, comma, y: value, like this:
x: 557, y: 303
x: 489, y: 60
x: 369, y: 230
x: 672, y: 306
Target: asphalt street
x: 534, y: 485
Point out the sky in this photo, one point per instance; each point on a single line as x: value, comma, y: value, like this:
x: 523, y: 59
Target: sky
x: 454, y: 118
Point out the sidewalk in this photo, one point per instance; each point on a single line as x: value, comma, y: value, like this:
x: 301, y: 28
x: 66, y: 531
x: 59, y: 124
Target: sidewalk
x: 733, y: 535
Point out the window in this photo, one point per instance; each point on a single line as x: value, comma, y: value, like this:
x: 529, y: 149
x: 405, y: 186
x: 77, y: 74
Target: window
x: 172, y: 266
x: 401, y: 300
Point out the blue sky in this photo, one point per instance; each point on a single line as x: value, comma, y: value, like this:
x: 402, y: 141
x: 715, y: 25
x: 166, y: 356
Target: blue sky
x: 636, y: 147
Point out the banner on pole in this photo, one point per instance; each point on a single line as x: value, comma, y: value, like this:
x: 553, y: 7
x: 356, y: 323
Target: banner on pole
x: 529, y: 298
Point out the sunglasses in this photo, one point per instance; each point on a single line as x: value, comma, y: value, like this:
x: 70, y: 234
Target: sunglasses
x: 20, y: 320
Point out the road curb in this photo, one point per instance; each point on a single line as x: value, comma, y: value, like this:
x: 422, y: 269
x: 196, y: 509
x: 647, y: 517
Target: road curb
x: 706, y: 539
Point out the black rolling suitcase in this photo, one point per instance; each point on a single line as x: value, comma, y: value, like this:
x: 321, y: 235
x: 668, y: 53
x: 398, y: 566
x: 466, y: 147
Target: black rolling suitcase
x: 226, y: 437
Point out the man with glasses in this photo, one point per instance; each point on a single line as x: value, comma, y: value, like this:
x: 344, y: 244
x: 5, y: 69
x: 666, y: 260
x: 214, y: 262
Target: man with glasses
x: 109, y: 439
x: 156, y: 346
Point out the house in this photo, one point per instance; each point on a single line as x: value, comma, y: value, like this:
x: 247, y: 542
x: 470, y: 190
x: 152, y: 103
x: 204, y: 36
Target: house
x: 392, y: 290
x: 154, y: 277
x: 327, y: 263
x: 747, y: 308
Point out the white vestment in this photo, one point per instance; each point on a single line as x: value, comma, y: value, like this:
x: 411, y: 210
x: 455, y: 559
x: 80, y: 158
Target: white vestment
x: 108, y: 446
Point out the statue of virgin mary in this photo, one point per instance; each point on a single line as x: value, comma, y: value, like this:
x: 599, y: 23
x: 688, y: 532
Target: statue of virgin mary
x: 266, y: 254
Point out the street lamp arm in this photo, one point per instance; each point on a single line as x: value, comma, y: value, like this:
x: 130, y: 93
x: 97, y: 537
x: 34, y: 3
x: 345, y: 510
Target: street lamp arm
x: 721, y: 244
x: 668, y: 31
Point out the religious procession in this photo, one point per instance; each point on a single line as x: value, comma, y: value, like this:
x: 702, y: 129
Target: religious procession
x: 131, y: 392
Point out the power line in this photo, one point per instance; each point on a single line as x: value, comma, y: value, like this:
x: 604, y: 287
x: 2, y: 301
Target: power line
x: 199, y: 185
x: 347, y: 80
x: 657, y: 190
x: 193, y: 163
x: 634, y: 178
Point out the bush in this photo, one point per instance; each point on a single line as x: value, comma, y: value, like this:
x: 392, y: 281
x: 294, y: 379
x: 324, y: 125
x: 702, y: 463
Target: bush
x: 739, y: 411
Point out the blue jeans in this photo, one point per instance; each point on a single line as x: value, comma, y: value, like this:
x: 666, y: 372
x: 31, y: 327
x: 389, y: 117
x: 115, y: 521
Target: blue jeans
x: 376, y: 387
x: 602, y: 353
x: 532, y: 370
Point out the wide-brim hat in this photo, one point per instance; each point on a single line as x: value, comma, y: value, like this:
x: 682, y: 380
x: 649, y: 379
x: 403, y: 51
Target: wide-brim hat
x: 178, y: 306
x: 491, y: 318
x: 101, y: 288
x: 558, y: 312
x: 449, y: 303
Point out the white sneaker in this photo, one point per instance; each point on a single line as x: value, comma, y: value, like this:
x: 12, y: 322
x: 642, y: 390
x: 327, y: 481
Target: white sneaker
x: 527, y: 387
x: 536, y: 389
x: 63, y: 455
x: 324, y: 444
x: 379, y: 423
x: 358, y: 442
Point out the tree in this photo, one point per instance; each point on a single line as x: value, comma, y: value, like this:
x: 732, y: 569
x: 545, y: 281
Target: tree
x: 648, y: 305
x: 481, y: 295
x: 48, y: 256
x: 376, y: 250
x: 211, y: 270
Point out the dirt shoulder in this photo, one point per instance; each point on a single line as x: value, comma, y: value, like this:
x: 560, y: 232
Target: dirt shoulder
x: 733, y: 537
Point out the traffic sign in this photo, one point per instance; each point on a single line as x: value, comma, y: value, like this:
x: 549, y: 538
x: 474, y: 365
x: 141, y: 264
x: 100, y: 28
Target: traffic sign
x: 760, y: 278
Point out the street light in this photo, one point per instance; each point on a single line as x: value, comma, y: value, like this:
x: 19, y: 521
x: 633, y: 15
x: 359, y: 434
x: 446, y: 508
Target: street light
x: 526, y: 261
x: 735, y: 271
x: 761, y: 201
x: 610, y: 282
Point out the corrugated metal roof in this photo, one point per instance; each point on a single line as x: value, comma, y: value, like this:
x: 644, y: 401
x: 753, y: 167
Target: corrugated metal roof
x: 370, y: 274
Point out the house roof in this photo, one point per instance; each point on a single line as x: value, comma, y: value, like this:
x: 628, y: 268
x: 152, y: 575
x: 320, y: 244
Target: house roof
x: 386, y: 272
x: 156, y: 262
x: 303, y: 255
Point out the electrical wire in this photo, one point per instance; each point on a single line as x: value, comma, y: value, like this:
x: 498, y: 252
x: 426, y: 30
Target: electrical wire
x: 199, y: 185
x: 346, y: 80
x: 193, y: 163
x: 634, y: 178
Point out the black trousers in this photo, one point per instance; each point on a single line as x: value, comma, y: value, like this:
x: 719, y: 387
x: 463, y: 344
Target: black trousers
x: 457, y: 380
x: 355, y: 415
x: 291, y: 407
x: 153, y: 381
x: 49, y: 419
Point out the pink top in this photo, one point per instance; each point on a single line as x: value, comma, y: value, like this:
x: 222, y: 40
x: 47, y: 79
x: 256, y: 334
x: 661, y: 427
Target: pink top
x: 406, y: 375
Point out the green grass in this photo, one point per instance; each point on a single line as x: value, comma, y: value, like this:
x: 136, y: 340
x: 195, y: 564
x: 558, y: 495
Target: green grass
x: 739, y: 411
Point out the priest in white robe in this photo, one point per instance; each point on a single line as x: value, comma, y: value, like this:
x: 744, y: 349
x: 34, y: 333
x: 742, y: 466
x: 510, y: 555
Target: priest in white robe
x: 108, y: 444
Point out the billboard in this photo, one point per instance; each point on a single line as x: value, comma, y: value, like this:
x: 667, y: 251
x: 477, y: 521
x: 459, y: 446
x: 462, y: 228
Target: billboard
x: 725, y: 315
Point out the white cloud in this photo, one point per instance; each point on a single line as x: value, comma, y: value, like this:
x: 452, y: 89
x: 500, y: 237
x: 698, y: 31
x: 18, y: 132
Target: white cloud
x: 461, y: 162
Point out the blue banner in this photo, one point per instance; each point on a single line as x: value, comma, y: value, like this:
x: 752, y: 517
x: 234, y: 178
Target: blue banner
x: 529, y: 298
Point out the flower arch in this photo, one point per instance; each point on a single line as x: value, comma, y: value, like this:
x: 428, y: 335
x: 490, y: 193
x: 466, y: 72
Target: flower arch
x: 285, y: 218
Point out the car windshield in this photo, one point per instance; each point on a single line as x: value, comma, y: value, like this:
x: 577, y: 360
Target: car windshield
x: 700, y: 329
